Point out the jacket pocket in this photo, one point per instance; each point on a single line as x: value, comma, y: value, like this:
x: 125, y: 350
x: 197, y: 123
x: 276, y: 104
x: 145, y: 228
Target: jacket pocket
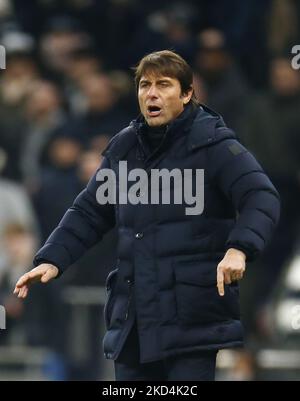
x: 110, y: 291
x: 197, y: 297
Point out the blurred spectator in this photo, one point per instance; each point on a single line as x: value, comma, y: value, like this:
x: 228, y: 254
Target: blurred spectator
x: 200, y: 89
x: 123, y: 86
x: 16, y: 81
x: 271, y: 125
x: 98, y: 144
x: 89, y: 162
x: 284, y: 29
x: 244, y: 24
x: 5, y: 10
x: 21, y: 69
x: 102, y: 114
x: 44, y: 113
x: 64, y: 36
x: 83, y: 64
x: 226, y: 87
x: 20, y: 245
x: 40, y: 320
x: 58, y: 182
x: 270, y: 129
x: 166, y: 28
x: 15, y: 207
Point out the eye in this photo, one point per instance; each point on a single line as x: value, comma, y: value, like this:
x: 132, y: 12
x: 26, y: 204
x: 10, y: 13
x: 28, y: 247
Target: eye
x: 143, y: 84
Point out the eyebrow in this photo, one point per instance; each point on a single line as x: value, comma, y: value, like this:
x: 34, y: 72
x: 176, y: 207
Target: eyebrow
x: 158, y: 81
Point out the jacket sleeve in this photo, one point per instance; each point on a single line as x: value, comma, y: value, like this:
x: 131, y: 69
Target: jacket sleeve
x: 255, y: 199
x: 82, y: 226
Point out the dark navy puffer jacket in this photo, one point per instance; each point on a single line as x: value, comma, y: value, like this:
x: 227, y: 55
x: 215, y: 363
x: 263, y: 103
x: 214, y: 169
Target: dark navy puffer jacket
x: 167, y: 260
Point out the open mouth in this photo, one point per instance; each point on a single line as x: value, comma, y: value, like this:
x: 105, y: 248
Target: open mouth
x: 153, y: 111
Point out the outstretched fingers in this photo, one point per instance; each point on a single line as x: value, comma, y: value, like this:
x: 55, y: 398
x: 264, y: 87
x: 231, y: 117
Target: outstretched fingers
x: 22, y: 280
x: 22, y: 292
x: 21, y: 288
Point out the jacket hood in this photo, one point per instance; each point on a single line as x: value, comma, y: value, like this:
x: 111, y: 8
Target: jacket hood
x: 207, y: 129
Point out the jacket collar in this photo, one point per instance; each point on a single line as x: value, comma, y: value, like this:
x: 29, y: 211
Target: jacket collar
x: 182, y: 122
x: 177, y: 127
x: 204, y: 128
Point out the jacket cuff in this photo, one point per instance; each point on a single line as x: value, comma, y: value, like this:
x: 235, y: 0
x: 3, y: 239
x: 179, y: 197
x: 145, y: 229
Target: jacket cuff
x: 55, y: 254
x: 250, y: 255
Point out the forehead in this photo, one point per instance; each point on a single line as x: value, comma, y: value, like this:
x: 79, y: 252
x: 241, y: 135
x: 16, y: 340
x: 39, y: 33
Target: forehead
x: 155, y: 77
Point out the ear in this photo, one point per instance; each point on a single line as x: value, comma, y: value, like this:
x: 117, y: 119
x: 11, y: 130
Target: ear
x: 187, y: 96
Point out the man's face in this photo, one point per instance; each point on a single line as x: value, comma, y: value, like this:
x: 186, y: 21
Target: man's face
x: 160, y: 99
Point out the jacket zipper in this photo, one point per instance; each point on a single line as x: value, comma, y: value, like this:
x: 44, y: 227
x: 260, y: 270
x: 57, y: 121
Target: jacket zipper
x: 129, y: 282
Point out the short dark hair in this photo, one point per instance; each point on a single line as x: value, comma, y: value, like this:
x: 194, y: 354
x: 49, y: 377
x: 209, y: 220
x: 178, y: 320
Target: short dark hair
x: 167, y: 63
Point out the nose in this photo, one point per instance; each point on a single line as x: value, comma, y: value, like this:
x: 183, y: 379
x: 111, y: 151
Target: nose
x: 152, y: 92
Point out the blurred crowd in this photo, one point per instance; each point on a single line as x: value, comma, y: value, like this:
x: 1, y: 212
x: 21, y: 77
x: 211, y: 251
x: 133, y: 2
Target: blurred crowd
x: 68, y: 88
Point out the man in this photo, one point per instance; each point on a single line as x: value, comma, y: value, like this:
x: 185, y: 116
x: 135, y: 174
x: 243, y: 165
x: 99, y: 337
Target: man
x: 173, y: 297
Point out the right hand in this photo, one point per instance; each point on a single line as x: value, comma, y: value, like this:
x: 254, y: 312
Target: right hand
x: 42, y: 273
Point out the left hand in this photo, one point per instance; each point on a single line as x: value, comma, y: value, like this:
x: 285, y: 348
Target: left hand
x: 231, y: 268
